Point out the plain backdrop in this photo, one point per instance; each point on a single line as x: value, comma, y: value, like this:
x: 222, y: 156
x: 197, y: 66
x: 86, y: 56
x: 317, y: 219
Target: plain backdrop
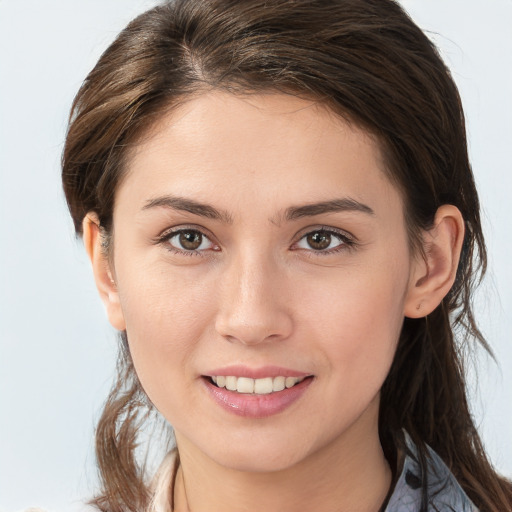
x: 57, y: 351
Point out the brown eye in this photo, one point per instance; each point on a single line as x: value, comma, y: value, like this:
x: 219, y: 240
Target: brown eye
x: 189, y: 240
x: 319, y: 240
x: 324, y: 241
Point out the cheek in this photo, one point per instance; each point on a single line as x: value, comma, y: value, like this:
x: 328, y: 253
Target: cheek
x: 166, y: 318
x: 357, y: 321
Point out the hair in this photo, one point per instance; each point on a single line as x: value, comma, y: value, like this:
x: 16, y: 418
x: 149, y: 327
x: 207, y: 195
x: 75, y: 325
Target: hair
x: 366, y: 61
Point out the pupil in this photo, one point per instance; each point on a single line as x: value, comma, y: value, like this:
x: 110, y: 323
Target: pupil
x: 190, y: 240
x: 319, y: 240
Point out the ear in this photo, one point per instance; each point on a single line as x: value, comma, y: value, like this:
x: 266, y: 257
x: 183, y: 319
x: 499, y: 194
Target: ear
x: 432, y: 276
x: 103, y: 274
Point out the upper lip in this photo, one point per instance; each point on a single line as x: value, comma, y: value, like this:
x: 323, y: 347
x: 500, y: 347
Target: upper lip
x: 255, y: 373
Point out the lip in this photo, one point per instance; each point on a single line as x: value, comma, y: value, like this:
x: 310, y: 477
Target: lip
x: 256, y: 406
x: 255, y: 373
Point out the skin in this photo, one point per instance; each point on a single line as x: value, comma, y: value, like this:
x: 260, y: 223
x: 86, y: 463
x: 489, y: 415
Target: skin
x: 257, y: 293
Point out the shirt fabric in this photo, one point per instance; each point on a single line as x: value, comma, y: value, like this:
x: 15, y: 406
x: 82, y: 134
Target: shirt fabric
x: 443, y: 492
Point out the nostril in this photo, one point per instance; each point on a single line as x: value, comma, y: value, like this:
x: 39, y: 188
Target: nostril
x: 272, y: 327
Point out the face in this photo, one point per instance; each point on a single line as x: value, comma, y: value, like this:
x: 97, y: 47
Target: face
x: 258, y: 245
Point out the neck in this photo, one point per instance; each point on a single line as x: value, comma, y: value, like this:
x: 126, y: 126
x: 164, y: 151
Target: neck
x: 348, y: 474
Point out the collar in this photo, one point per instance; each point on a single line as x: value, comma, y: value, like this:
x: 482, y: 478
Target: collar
x: 433, y: 488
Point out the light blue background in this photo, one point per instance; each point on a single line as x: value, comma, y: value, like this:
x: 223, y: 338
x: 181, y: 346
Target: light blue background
x: 57, y: 351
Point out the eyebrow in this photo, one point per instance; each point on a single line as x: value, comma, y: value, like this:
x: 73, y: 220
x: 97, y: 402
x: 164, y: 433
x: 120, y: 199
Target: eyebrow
x: 190, y: 206
x: 345, y: 204
x: 290, y: 214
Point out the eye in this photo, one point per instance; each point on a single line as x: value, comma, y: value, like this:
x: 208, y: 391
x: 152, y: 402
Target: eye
x: 189, y: 240
x: 323, y: 240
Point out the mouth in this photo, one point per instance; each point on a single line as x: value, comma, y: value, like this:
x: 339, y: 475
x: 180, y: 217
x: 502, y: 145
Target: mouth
x: 248, y: 386
x: 256, y: 392
x: 256, y: 397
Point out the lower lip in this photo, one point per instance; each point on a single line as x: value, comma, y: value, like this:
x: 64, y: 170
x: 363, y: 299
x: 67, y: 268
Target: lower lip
x: 257, y: 406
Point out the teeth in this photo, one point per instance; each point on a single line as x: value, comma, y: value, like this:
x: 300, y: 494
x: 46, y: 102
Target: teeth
x: 231, y: 383
x: 245, y: 385
x: 290, y: 382
x: 278, y: 384
x: 263, y: 386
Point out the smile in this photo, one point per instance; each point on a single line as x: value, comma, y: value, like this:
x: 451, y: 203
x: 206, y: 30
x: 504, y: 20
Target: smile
x: 264, y: 386
x: 256, y: 397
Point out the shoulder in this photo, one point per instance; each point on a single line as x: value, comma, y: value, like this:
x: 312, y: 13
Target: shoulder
x: 433, y: 488
x: 163, y: 483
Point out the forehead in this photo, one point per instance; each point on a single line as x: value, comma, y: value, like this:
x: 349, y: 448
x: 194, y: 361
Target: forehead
x: 267, y: 149
x: 247, y: 118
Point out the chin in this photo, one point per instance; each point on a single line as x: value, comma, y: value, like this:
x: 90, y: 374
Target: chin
x: 258, y: 461
x: 268, y: 451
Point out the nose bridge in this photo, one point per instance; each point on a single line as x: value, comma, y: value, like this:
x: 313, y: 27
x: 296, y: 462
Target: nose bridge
x: 251, y: 307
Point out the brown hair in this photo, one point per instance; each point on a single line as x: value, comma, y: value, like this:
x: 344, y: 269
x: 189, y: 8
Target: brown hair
x: 369, y: 63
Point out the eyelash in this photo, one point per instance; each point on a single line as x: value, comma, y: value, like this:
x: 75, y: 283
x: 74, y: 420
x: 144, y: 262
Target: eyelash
x: 166, y: 237
x: 347, y: 242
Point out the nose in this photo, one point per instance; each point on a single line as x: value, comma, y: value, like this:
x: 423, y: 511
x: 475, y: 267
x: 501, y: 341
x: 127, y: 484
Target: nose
x: 254, y: 306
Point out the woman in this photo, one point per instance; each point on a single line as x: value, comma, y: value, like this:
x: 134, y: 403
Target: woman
x: 283, y: 225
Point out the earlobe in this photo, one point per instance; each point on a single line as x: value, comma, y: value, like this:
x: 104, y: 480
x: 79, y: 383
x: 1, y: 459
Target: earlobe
x: 433, y: 275
x: 103, y: 274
